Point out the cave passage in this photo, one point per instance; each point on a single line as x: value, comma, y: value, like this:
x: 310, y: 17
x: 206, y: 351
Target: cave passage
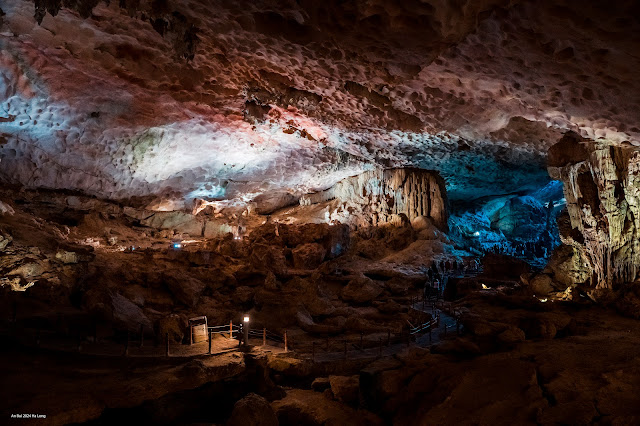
x: 522, y: 225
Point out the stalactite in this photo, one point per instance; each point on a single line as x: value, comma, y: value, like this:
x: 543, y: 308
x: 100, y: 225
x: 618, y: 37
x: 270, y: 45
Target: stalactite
x: 408, y: 191
x: 603, y: 201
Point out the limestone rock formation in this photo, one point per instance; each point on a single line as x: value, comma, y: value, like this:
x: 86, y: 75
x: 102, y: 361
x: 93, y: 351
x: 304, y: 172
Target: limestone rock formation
x: 602, y: 189
x: 222, y: 100
x: 252, y: 410
x: 345, y: 388
x: 386, y: 195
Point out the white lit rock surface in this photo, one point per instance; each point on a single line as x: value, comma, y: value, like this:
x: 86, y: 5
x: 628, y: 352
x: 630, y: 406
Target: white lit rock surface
x: 214, y: 100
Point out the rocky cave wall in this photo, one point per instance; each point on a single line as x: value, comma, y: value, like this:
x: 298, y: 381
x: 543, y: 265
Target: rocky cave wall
x: 383, y: 195
x: 602, y: 189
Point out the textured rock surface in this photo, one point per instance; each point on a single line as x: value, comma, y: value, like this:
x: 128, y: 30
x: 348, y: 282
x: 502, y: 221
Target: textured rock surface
x: 602, y: 189
x: 381, y: 196
x: 225, y: 100
x: 252, y: 410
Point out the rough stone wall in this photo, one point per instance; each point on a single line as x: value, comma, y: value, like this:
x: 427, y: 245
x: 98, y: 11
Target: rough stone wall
x: 218, y: 99
x: 385, y: 194
x: 602, y: 188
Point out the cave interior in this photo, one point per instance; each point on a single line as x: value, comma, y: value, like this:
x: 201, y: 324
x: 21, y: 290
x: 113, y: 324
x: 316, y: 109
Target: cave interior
x: 284, y: 212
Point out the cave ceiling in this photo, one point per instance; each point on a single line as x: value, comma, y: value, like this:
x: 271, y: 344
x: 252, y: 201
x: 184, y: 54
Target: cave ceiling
x: 174, y: 100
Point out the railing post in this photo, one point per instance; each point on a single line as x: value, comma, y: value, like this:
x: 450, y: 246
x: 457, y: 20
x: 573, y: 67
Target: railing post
x: 167, y: 348
x: 210, y: 334
x: 286, y: 349
x: 264, y: 336
x: 141, y: 335
x: 231, y: 329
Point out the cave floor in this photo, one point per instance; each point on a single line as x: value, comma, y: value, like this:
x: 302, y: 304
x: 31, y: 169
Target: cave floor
x: 589, y: 377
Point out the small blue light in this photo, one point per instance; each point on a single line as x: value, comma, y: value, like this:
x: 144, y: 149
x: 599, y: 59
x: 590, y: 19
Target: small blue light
x: 177, y: 245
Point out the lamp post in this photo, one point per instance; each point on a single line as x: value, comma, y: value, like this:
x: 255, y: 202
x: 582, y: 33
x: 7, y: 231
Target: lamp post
x: 245, y: 329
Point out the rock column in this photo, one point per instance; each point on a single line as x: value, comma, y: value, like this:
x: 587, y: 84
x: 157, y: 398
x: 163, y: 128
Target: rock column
x: 602, y: 189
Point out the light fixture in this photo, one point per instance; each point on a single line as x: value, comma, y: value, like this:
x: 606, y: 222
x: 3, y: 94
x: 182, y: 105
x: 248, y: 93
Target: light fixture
x: 177, y: 245
x: 246, y: 318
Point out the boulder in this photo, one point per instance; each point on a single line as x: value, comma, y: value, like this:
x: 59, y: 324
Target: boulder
x: 345, y: 388
x: 541, y: 285
x: 184, y: 288
x: 308, y: 256
x: 216, y: 229
x: 252, y: 410
x: 270, y: 282
x: 381, y: 380
x: 28, y: 270
x: 335, y: 239
x: 398, y: 286
x: 5, y: 240
x: 569, y: 266
x: 115, y: 308
x: 306, y: 407
x: 358, y: 324
x: 6, y: 209
x: 173, y: 324
x: 389, y: 307
x: 268, y: 258
x: 67, y: 257
x: 306, y: 322
x: 271, y: 201
x: 320, y: 384
x: 511, y: 335
x: 361, y: 290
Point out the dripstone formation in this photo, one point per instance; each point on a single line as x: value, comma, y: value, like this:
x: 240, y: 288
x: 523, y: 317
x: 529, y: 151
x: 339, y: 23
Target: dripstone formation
x: 602, y: 188
x: 385, y: 195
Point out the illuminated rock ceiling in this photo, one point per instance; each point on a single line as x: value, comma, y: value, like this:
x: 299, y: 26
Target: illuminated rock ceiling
x: 176, y: 100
